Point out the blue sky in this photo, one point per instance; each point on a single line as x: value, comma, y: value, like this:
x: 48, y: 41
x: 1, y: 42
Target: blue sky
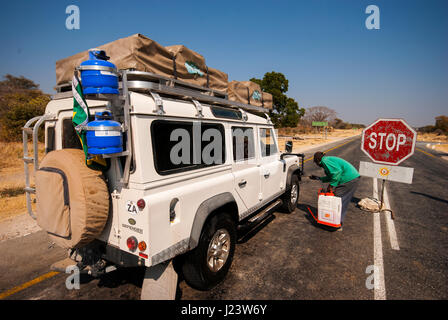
x: 322, y: 46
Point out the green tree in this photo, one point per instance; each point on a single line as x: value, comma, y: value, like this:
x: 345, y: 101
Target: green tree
x: 286, y: 111
x: 21, y: 83
x: 338, y: 123
x: 20, y: 100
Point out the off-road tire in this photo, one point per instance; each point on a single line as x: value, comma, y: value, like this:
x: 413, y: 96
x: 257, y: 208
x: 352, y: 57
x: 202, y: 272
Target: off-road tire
x: 195, y: 267
x: 291, y: 197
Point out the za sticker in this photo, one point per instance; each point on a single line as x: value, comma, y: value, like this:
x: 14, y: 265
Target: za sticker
x: 132, y: 207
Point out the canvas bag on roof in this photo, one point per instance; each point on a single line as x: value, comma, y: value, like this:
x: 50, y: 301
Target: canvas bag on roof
x: 246, y: 92
x: 133, y: 52
x: 190, y: 65
x: 267, y: 100
x: 217, y: 80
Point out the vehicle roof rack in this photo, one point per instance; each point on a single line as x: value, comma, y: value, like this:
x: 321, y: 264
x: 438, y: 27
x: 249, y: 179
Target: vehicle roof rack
x: 153, y: 84
x: 147, y: 82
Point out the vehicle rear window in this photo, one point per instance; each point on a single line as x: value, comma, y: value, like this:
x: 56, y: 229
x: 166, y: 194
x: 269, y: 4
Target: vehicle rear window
x: 180, y: 146
x: 50, y: 139
x: 69, y: 137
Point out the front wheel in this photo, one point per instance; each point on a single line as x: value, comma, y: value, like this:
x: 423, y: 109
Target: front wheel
x: 207, y: 265
x: 291, y: 196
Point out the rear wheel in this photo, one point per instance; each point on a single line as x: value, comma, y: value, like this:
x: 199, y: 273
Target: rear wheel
x: 291, y: 197
x: 207, y: 265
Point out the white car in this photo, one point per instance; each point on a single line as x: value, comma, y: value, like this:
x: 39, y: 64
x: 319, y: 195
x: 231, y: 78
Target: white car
x: 197, y: 170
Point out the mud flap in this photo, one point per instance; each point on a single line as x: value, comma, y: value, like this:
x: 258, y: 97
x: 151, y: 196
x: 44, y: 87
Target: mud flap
x: 160, y: 282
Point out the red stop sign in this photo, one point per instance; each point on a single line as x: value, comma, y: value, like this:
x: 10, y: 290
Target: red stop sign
x: 388, y: 141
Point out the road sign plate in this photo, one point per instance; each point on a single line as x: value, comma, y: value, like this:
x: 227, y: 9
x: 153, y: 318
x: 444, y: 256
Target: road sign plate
x: 386, y: 172
x: 320, y: 124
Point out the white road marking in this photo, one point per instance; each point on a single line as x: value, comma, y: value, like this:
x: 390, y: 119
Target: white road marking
x: 390, y: 223
x: 380, y: 287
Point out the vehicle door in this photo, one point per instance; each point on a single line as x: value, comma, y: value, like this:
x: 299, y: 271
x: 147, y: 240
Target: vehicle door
x: 245, y: 165
x: 270, y: 166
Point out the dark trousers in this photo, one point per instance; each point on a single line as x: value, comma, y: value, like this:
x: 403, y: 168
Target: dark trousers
x: 345, y: 192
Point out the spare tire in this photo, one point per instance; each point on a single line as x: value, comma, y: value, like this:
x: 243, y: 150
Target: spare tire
x: 72, y: 199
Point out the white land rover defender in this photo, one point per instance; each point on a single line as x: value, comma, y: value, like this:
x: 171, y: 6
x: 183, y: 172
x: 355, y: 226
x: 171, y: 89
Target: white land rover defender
x: 161, y: 197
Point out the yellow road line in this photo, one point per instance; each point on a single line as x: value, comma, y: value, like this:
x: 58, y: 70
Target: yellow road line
x: 27, y: 284
x: 338, y: 146
x: 427, y: 153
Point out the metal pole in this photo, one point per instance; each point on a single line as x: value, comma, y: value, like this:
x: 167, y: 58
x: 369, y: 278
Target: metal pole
x: 382, y: 194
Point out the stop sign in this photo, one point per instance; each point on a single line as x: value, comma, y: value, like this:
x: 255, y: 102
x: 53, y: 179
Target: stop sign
x: 388, y: 141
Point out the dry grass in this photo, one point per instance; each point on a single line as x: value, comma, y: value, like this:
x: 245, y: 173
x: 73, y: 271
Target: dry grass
x: 309, y: 139
x: 12, y: 154
x: 431, y: 137
x: 12, y: 178
x: 441, y: 147
x: 12, y: 206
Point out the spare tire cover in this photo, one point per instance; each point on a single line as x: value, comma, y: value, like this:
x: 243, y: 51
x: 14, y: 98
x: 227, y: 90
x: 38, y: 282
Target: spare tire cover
x: 72, y: 199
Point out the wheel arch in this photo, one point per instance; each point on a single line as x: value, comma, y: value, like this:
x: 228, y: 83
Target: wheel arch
x: 292, y: 170
x: 223, y: 202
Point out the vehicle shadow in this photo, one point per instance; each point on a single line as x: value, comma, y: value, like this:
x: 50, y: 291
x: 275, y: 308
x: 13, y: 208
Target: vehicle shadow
x: 117, y: 278
x: 246, y: 235
x: 243, y: 235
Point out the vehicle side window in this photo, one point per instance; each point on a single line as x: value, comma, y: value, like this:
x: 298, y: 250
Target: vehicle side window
x: 69, y: 137
x: 180, y: 146
x: 268, y: 146
x: 243, y: 143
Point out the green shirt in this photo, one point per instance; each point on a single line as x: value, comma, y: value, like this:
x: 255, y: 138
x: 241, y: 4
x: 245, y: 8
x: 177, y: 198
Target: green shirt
x: 338, y: 171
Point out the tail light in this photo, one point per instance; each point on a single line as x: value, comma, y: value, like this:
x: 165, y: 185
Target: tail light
x: 132, y: 243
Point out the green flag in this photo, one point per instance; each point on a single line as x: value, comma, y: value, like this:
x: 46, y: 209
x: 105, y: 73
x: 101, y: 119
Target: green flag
x: 80, y: 119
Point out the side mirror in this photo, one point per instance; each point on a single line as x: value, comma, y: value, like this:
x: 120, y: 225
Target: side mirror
x: 288, y: 146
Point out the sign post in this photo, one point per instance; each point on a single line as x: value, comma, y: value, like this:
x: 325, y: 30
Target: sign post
x: 388, y: 142
x: 321, y: 124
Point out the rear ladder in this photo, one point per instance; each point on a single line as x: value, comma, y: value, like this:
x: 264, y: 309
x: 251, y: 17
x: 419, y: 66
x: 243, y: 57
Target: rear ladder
x: 27, y: 130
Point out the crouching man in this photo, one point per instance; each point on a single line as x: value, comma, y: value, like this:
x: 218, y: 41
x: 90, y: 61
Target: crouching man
x: 342, y: 177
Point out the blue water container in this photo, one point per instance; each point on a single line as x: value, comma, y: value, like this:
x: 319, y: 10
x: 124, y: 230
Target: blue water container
x: 99, y: 81
x: 104, y: 135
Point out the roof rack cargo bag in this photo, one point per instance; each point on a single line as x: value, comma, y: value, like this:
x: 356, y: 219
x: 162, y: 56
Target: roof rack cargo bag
x: 189, y: 65
x: 134, y: 52
x: 246, y: 92
x: 217, y: 80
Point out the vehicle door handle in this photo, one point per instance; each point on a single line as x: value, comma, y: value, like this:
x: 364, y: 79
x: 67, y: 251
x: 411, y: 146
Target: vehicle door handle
x: 242, y: 183
x: 267, y: 174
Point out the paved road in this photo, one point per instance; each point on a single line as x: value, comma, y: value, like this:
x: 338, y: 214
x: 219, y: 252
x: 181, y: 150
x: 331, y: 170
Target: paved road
x: 290, y: 257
